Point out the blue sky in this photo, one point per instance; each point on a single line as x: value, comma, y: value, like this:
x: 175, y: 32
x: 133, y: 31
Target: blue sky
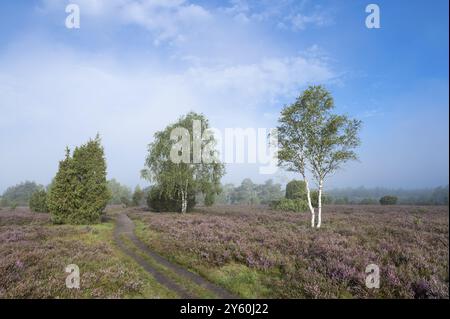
x: 134, y: 66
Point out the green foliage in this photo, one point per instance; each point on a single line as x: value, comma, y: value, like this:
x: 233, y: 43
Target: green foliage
x: 296, y: 189
x: 13, y: 206
x: 138, y: 196
x: 158, y: 201
x: 179, y: 180
x: 388, y: 200
x: 38, y: 202
x: 19, y: 194
x: 290, y: 205
x: 80, y: 193
x: 120, y: 194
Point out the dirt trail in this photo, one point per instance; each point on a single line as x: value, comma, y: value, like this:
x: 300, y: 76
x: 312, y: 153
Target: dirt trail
x: 125, y: 228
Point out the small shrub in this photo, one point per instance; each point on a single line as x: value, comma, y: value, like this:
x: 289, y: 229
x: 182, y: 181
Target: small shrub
x: 388, y: 200
x: 290, y: 205
x: 38, y: 202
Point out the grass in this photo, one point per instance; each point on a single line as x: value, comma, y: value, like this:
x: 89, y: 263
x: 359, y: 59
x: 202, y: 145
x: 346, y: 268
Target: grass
x: 256, y: 252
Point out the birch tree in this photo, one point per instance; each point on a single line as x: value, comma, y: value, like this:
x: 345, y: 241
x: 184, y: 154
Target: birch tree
x: 176, y: 160
x: 314, y: 140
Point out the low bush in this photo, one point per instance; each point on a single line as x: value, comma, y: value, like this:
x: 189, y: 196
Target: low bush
x: 290, y: 205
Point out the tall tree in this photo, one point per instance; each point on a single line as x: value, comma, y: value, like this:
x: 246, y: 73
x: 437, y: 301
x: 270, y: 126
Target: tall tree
x: 313, y: 139
x: 182, y: 160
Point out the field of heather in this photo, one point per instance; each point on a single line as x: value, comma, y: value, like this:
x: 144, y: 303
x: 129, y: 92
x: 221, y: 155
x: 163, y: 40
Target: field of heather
x: 256, y: 252
x: 251, y: 251
x: 34, y: 254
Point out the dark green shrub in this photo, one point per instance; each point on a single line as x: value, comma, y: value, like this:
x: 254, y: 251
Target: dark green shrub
x: 38, y: 202
x: 159, y: 202
x: 388, y: 200
x: 80, y: 192
x: 296, y: 189
x: 290, y: 205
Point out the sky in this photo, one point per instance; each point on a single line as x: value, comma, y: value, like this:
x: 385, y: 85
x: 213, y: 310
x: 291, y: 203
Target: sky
x: 134, y: 67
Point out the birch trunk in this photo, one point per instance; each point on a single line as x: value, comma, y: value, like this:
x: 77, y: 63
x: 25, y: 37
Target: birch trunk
x: 319, y: 205
x: 311, y: 208
x: 183, y: 202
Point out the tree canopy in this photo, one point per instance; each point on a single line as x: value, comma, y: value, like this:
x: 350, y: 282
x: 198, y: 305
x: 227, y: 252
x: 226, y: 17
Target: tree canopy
x: 182, y: 161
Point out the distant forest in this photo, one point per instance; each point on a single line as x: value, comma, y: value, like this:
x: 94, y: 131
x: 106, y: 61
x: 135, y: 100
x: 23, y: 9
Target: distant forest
x: 251, y: 193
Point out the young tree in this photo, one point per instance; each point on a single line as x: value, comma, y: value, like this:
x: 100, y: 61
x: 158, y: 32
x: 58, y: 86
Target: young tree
x: 182, y: 161
x: 313, y: 139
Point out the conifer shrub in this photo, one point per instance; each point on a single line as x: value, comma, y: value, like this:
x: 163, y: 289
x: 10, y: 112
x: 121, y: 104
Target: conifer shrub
x: 80, y: 191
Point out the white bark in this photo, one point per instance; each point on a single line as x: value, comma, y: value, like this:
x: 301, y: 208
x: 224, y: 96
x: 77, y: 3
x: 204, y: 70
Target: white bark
x: 319, y: 206
x: 183, y: 202
x: 311, y: 208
